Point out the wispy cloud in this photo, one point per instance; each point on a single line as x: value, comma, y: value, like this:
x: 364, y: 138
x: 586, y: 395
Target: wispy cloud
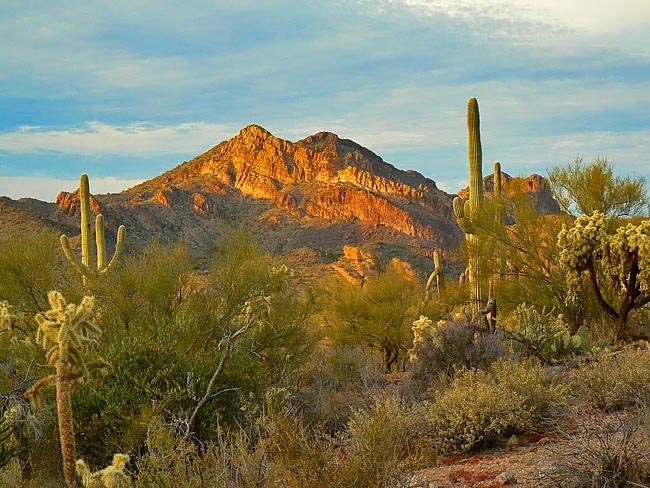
x: 101, y: 138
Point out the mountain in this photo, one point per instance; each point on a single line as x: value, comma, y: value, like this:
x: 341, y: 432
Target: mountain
x: 305, y: 199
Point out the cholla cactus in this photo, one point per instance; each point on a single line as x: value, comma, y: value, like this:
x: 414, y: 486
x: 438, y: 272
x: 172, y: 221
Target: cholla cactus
x: 618, y: 263
x: 113, y: 476
x: 65, y: 332
x: 420, y: 329
x: 83, y: 265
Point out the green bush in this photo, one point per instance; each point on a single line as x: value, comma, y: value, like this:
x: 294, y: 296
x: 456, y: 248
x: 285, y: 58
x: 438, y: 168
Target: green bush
x: 544, y: 335
x: 479, y: 407
x: 336, y: 381
x: 616, y: 381
x: 389, y: 433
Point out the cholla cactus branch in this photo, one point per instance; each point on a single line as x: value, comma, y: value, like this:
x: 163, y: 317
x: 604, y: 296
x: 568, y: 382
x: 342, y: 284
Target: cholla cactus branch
x: 65, y: 332
x: 113, y: 476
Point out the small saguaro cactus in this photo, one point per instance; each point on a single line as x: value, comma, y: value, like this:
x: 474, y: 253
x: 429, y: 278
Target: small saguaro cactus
x: 83, y: 265
x: 437, y: 277
x: 113, y: 476
x: 498, y: 195
x: 65, y: 332
x: 465, y: 211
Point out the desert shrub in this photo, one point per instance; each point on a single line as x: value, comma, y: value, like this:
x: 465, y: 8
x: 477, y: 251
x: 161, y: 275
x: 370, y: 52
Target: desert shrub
x: 480, y: 407
x: 389, y: 433
x: 605, y: 453
x: 616, y: 381
x: 164, y: 368
x: 147, y: 290
x: 336, y: 381
x: 31, y: 264
x: 279, y: 449
x: 544, y: 335
x: 449, y: 347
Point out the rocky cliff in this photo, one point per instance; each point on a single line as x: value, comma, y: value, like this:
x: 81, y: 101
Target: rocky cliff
x: 305, y: 199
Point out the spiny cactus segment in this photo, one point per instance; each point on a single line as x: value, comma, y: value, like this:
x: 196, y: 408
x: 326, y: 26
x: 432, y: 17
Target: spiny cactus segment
x: 113, y: 476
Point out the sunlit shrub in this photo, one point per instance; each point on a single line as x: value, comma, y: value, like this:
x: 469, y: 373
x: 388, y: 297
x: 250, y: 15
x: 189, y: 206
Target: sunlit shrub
x: 480, y: 407
x: 616, y: 382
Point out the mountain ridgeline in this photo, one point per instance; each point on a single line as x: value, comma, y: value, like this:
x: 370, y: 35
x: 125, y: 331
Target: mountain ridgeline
x: 304, y: 199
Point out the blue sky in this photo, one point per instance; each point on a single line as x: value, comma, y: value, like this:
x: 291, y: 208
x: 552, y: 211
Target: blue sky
x: 124, y: 90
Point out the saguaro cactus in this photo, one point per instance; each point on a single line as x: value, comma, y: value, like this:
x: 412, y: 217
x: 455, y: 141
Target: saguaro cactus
x: 83, y: 265
x: 465, y: 211
x: 437, y: 277
x: 498, y: 195
x: 65, y: 331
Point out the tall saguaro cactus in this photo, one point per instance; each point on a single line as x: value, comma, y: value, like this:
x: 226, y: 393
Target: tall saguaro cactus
x: 83, y: 265
x: 465, y: 211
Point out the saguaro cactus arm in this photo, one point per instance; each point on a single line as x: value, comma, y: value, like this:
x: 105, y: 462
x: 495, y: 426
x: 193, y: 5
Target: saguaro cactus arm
x: 463, y: 221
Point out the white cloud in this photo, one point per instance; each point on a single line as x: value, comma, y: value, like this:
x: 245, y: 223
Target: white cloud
x: 130, y: 139
x: 46, y: 188
x: 595, y: 16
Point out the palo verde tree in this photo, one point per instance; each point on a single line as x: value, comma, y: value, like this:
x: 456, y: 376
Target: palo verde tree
x: 582, y: 189
x: 379, y: 313
x: 616, y: 266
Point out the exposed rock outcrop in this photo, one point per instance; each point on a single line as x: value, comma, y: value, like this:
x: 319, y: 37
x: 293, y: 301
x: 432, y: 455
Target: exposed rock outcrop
x: 68, y: 203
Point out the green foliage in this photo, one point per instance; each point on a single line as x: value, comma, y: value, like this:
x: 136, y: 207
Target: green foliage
x: 31, y: 266
x: 336, y: 381
x: 582, y: 189
x: 615, y: 381
x: 481, y: 407
x: 148, y: 291
x: 545, y: 335
x: 378, y: 314
x: 6, y: 449
x: 163, y: 366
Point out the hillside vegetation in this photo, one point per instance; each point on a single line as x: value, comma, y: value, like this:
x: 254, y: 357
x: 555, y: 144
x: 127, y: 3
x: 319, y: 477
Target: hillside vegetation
x: 157, y: 370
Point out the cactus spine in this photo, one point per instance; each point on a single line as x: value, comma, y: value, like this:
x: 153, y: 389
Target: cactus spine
x: 65, y: 331
x: 83, y: 266
x: 465, y: 211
